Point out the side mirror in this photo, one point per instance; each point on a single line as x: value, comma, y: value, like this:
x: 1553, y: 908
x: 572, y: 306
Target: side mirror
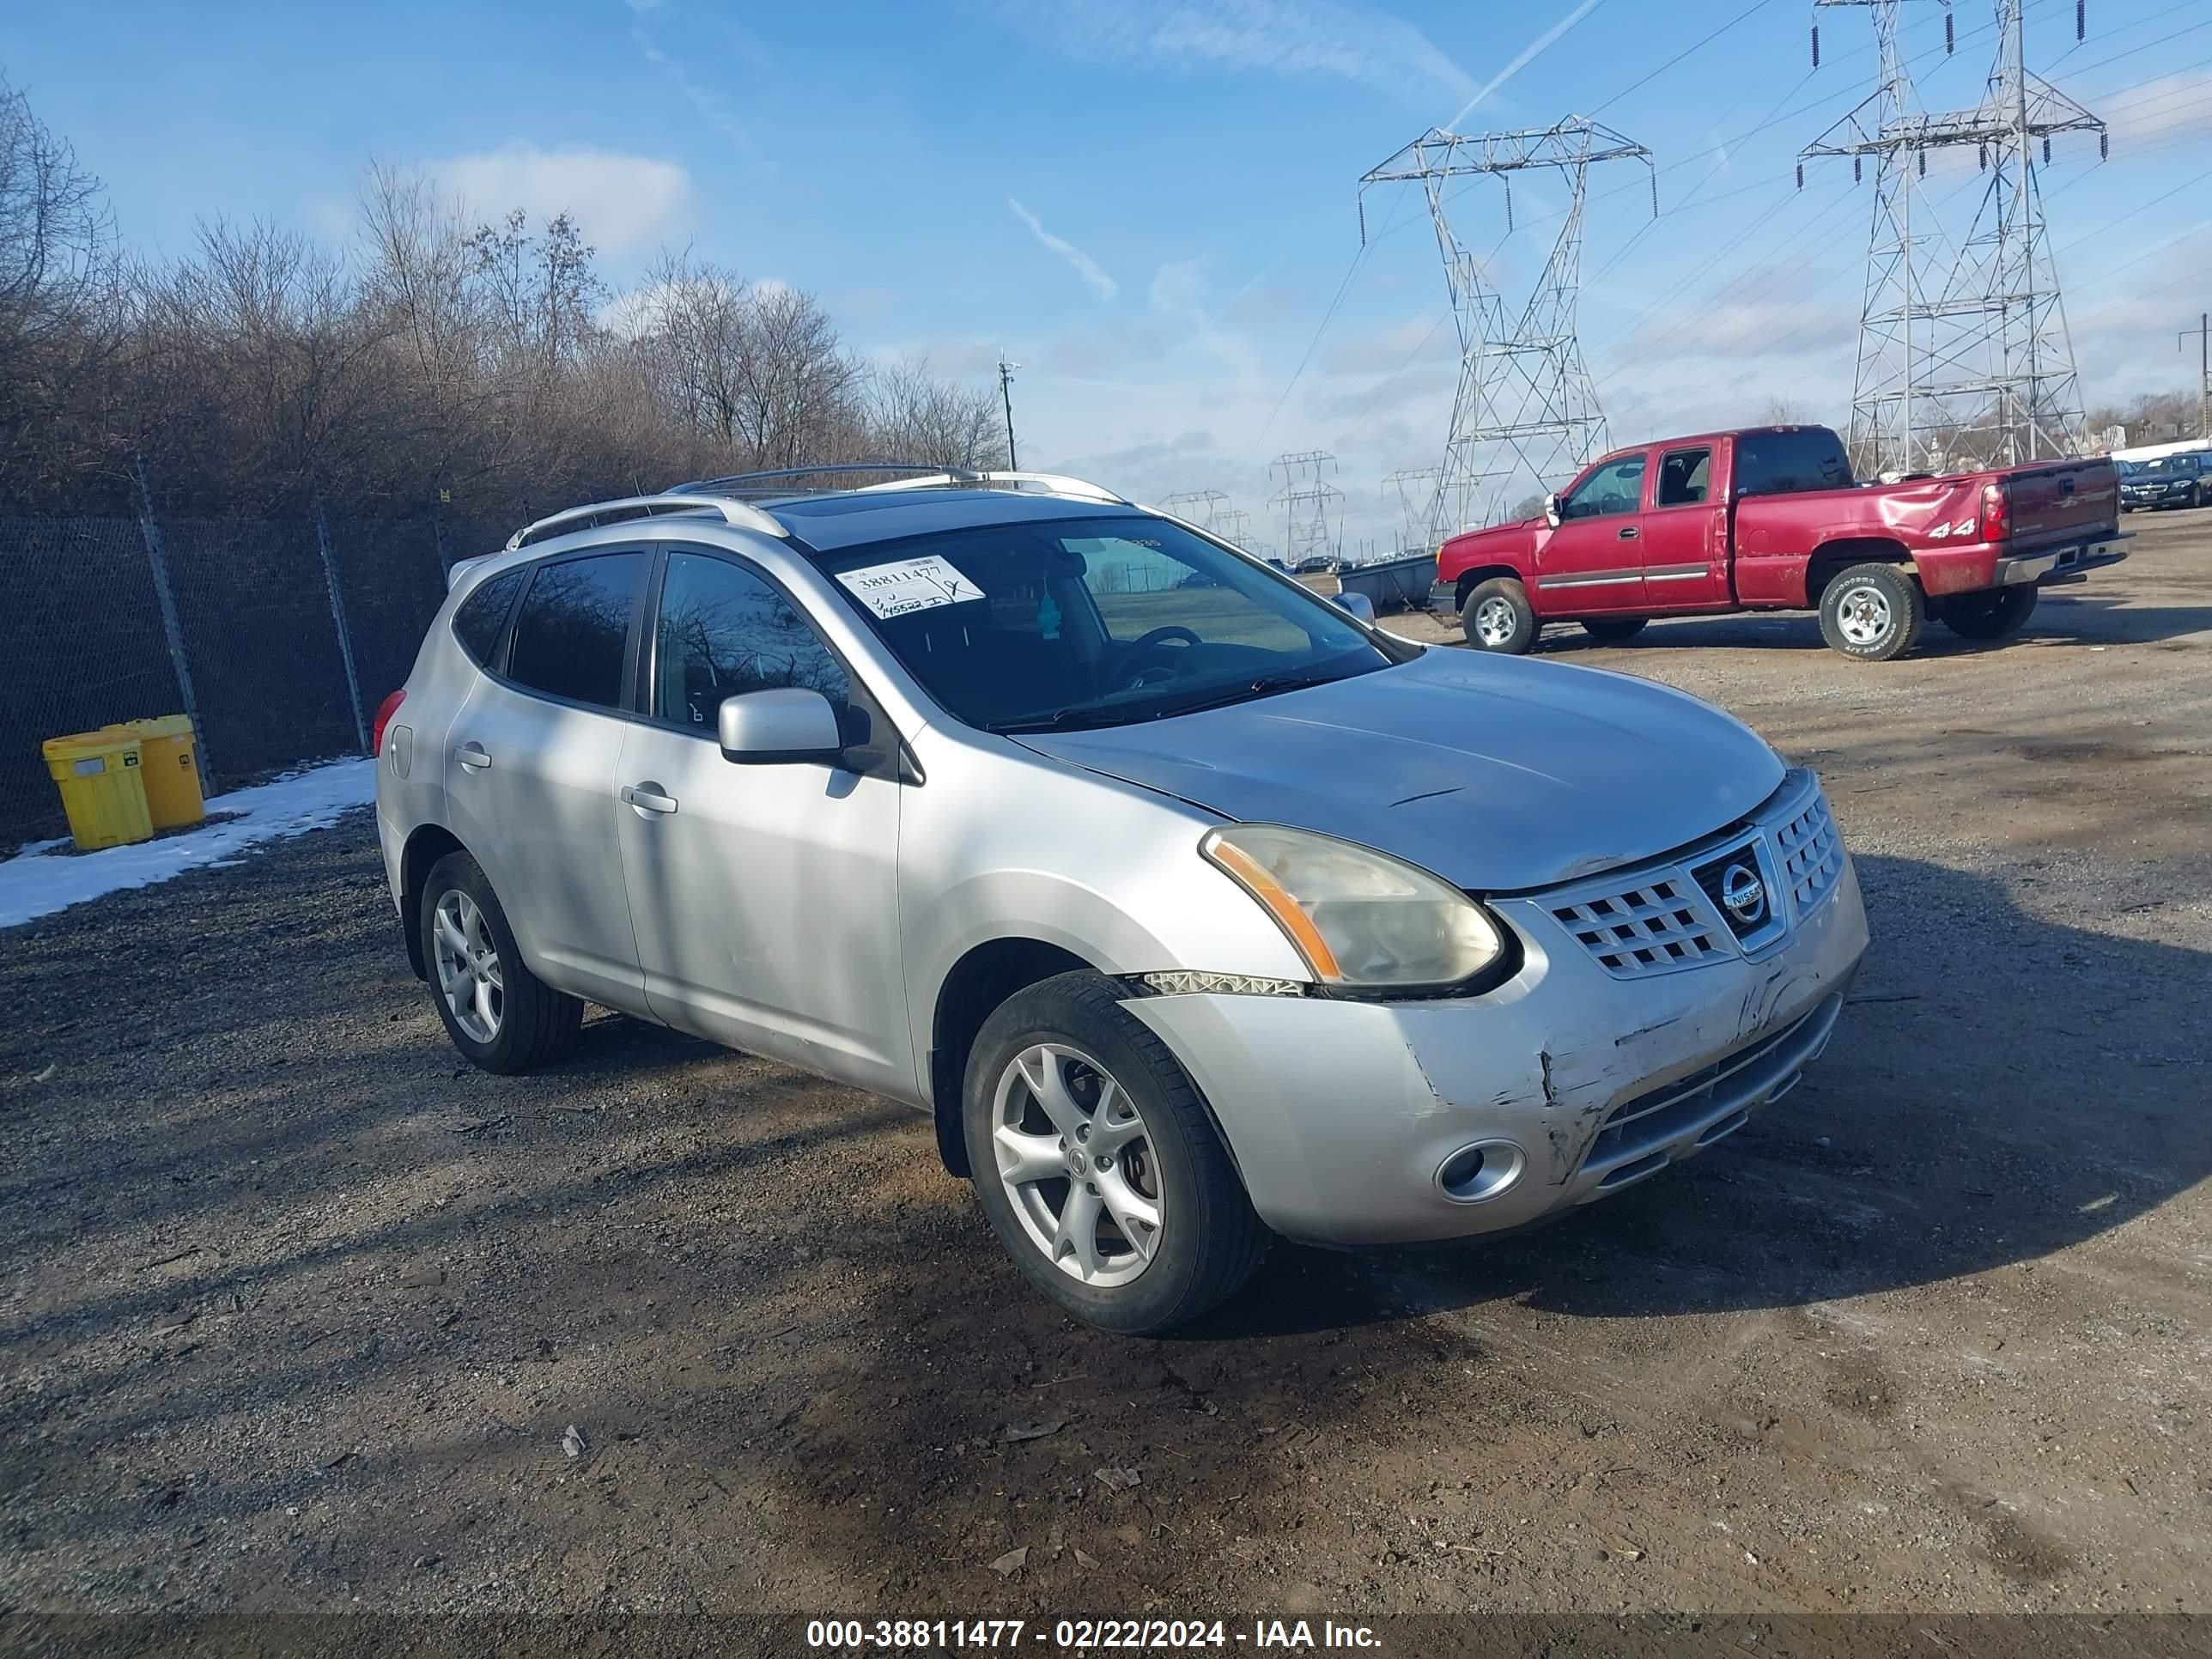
x: 1358, y: 604
x: 1551, y: 511
x: 770, y: 728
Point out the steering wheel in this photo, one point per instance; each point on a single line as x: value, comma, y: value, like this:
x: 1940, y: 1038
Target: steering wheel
x: 1135, y: 651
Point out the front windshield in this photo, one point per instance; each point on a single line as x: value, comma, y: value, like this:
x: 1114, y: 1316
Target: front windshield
x: 1066, y: 622
x: 2172, y: 466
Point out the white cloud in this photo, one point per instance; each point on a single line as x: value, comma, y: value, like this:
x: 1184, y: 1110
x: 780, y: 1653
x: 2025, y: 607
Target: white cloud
x: 1086, y: 267
x: 711, y: 107
x: 2170, y: 108
x: 1299, y: 38
x: 623, y: 203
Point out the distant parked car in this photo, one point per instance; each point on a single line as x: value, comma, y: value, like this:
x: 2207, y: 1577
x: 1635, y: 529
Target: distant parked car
x: 2166, y: 481
x: 1191, y: 915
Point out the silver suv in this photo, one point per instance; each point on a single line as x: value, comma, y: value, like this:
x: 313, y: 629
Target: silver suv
x: 1191, y: 907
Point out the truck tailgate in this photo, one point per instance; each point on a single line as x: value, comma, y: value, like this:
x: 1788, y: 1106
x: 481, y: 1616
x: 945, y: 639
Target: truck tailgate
x: 2061, y: 499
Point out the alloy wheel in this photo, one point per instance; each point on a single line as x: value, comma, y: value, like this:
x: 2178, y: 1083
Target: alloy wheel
x: 1077, y: 1163
x: 470, y: 977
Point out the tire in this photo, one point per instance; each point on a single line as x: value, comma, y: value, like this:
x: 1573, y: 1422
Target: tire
x: 1872, y: 612
x: 1204, y: 1244
x: 1994, y: 613
x: 520, y: 1023
x: 1496, y: 616
x: 1613, y: 630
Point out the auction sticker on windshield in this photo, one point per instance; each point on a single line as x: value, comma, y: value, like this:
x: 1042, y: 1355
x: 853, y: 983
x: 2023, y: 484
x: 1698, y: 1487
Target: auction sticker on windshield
x: 893, y: 590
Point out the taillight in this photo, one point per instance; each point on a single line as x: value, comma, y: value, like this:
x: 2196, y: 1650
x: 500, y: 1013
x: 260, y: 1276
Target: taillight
x: 384, y: 711
x: 1996, y: 525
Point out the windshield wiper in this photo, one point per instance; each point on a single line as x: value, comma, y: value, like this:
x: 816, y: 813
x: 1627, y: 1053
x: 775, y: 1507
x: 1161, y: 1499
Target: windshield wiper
x: 1245, y: 690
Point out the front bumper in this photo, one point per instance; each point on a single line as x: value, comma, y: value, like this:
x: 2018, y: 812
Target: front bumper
x: 1349, y: 1120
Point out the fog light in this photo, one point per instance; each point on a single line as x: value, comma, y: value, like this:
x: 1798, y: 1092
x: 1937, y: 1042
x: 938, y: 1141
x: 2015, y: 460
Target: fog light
x: 1481, y: 1171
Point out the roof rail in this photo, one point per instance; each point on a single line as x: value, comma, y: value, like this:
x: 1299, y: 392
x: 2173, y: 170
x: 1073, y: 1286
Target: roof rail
x: 1050, y: 483
x: 582, y: 518
x: 740, y: 484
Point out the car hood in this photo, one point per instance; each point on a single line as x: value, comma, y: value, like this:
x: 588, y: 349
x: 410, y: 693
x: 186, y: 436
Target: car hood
x: 1497, y: 774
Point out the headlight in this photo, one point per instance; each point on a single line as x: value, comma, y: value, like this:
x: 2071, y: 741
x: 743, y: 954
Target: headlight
x: 1360, y: 918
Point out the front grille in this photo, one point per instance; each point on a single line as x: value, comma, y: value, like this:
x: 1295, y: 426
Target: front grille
x: 1812, y: 854
x: 1641, y: 930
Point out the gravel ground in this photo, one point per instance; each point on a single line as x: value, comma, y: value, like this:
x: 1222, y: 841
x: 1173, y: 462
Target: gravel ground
x: 298, y: 1311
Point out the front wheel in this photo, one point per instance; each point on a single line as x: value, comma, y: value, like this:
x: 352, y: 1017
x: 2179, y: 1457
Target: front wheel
x: 1097, y: 1162
x: 1498, y: 617
x: 1993, y: 613
x: 1872, y: 612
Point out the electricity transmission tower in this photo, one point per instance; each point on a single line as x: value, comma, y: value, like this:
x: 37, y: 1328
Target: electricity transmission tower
x: 1526, y: 416
x: 1200, y: 506
x: 1307, y: 499
x: 1420, y: 504
x: 1963, y: 352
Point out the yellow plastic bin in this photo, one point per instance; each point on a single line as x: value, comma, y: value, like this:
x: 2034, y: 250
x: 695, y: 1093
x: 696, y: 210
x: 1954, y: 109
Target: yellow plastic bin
x: 169, y: 763
x: 99, y: 772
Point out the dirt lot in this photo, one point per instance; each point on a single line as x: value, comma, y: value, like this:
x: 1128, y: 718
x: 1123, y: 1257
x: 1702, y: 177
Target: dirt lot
x: 298, y: 1310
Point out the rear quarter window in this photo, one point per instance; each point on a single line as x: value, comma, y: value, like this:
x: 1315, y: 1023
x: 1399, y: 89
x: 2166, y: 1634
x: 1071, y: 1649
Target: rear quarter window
x: 481, y: 616
x: 1779, y: 463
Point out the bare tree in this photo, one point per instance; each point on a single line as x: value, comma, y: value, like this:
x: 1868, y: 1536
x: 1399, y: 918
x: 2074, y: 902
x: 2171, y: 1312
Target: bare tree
x: 914, y: 416
x: 59, y: 324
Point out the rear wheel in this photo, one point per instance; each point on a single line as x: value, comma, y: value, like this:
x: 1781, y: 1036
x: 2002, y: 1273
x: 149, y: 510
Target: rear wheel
x: 1993, y: 613
x: 500, y: 1015
x: 1612, y: 630
x: 1873, y: 612
x: 1097, y: 1162
x: 1496, y: 616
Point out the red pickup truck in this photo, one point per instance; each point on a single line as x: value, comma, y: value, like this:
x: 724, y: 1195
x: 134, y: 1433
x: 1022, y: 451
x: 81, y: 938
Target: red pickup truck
x: 1769, y: 519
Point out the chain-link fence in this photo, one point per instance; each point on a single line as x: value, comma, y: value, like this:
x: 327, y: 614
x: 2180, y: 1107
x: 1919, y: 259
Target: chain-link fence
x: 278, y: 637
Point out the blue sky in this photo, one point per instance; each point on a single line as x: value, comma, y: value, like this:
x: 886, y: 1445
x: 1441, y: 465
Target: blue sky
x: 1151, y: 205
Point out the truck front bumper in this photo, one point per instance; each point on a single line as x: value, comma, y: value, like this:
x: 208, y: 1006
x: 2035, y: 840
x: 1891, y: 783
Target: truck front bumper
x: 1372, y: 1122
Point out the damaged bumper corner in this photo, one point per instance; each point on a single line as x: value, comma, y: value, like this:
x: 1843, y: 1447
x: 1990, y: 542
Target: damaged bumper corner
x: 1362, y: 1123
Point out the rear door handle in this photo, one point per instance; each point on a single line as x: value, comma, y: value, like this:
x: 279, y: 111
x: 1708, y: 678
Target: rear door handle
x: 473, y: 756
x: 1628, y: 533
x: 648, y: 798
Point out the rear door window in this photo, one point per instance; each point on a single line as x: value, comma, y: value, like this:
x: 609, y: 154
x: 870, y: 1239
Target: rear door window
x: 572, y: 635
x: 1684, y: 476
x: 481, y: 616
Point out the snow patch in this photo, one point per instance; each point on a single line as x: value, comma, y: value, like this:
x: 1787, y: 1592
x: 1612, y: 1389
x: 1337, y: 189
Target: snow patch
x: 40, y: 881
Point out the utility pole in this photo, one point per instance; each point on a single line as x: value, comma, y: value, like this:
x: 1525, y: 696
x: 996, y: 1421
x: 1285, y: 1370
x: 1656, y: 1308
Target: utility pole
x: 1007, y: 396
x: 2204, y: 333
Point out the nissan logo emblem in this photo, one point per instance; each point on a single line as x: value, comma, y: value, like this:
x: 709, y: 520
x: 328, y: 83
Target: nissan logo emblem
x: 1744, y: 893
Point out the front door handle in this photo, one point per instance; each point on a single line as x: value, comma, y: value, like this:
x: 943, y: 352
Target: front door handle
x: 473, y: 756
x: 1628, y: 533
x: 648, y: 798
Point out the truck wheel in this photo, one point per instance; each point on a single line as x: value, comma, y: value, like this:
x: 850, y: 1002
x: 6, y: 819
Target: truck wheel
x: 1872, y: 612
x: 1097, y: 1164
x: 1496, y: 617
x: 1994, y: 613
x: 1614, y: 629
x: 500, y: 1015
